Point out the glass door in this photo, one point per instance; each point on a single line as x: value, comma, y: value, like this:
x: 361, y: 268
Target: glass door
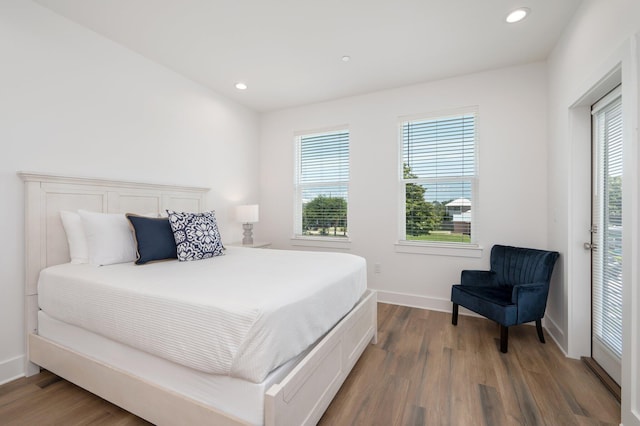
x: 606, y: 234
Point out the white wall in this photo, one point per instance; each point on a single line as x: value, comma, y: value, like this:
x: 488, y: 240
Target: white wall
x: 72, y: 102
x: 512, y: 166
x: 600, y: 38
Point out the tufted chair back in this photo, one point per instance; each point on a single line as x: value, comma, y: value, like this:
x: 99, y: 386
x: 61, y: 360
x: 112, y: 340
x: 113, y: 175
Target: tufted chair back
x: 516, y: 265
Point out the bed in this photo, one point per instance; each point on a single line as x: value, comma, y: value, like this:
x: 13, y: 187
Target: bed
x: 181, y: 385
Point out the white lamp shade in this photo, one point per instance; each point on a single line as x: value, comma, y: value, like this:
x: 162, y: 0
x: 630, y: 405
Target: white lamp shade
x: 247, y: 213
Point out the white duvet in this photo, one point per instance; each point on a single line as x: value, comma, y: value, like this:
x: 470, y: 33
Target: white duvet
x: 242, y: 314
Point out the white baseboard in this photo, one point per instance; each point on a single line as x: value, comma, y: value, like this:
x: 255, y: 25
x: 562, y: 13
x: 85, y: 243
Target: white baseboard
x: 556, y: 333
x: 422, y: 302
x: 435, y: 304
x: 11, y: 369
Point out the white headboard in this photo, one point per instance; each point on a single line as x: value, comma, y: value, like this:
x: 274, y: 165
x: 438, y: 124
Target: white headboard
x: 46, y: 195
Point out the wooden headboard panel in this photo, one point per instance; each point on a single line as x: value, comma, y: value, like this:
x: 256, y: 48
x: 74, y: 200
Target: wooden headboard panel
x: 46, y: 195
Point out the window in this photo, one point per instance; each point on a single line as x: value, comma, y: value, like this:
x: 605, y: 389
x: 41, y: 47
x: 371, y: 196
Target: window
x: 439, y: 178
x: 322, y: 184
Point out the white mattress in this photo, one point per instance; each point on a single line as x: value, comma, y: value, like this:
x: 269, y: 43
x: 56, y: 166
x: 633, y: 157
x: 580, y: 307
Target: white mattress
x: 242, y: 314
x: 240, y: 398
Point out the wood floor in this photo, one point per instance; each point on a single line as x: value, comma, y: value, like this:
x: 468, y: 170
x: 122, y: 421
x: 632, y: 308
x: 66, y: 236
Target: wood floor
x: 423, y: 371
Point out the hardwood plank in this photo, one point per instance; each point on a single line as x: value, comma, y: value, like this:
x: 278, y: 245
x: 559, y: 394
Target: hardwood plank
x: 414, y: 415
x: 423, y: 371
x: 549, y: 399
x: 491, y: 406
x: 577, y: 384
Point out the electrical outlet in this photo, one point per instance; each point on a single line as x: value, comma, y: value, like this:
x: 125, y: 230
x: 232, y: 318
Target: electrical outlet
x: 377, y: 268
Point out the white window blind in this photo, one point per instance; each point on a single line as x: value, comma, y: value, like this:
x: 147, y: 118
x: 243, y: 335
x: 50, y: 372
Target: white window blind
x: 439, y: 178
x: 607, y: 218
x: 322, y: 184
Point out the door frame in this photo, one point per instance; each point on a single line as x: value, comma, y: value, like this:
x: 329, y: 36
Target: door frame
x: 579, y: 319
x: 621, y: 67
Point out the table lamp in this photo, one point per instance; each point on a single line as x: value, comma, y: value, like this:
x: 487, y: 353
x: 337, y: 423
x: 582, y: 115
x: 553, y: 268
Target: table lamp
x: 248, y: 215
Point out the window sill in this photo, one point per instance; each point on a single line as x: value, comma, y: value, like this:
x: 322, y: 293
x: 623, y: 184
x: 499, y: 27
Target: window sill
x: 322, y: 242
x: 435, y: 249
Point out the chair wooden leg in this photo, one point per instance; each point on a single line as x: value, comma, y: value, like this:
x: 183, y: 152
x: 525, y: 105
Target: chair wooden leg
x: 504, y: 339
x: 539, y: 330
x: 454, y: 316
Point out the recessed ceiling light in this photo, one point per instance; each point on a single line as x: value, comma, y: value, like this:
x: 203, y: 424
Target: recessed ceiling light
x: 517, y: 15
x: 241, y: 86
x: 346, y: 58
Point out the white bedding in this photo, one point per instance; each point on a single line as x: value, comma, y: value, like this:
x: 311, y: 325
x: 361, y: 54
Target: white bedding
x: 242, y: 314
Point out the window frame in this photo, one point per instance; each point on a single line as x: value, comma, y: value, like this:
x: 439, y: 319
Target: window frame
x: 323, y: 241
x: 470, y: 249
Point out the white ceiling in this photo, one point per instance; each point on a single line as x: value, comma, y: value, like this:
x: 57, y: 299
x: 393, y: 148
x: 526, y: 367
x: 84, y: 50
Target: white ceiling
x: 289, y: 51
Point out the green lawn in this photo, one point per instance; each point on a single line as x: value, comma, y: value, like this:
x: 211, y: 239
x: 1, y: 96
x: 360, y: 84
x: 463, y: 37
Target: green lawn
x: 442, y: 237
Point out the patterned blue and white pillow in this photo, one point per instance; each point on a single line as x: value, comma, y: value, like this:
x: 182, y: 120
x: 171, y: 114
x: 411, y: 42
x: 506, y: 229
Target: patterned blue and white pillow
x: 196, y: 234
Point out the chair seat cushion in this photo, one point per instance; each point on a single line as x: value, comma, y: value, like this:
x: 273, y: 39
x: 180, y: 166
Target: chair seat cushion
x: 491, y: 302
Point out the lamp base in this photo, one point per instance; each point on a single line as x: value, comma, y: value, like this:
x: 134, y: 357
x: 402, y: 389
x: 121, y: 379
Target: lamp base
x: 248, y: 233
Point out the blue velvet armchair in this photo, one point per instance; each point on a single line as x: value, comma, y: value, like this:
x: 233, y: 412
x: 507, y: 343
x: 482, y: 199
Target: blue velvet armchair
x: 513, y: 292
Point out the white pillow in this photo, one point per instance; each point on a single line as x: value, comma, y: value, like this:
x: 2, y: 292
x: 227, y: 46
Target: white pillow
x: 72, y: 223
x: 109, y: 238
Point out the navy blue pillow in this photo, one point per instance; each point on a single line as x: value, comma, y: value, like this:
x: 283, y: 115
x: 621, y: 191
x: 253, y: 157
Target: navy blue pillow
x: 154, y: 238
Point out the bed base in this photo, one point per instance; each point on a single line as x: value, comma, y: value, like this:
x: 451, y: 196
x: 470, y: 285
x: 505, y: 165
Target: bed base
x: 299, y: 399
